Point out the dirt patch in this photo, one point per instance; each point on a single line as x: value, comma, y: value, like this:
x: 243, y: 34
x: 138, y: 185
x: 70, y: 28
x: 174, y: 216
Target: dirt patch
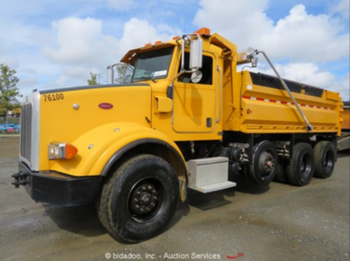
x: 9, y: 146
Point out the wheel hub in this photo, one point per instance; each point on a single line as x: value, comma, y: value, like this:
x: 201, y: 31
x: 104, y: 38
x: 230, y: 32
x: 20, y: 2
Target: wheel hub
x: 144, y: 199
x: 267, y: 162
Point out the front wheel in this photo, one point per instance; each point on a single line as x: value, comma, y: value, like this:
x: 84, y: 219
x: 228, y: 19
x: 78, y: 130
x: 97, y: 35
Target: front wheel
x: 140, y: 199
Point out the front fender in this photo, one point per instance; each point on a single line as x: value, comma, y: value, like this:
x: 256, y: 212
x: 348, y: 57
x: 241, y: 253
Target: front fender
x: 99, y: 147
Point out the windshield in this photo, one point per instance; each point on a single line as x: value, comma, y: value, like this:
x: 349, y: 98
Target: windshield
x: 123, y: 73
x: 152, y: 65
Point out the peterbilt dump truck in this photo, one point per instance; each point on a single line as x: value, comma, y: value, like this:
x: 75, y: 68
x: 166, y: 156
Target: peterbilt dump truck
x: 177, y: 115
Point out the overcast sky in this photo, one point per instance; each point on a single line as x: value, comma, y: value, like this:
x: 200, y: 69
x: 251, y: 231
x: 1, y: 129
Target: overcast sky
x: 57, y: 43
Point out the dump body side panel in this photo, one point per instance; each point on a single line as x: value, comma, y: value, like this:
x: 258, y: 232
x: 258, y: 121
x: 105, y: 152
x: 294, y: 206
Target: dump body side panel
x: 265, y: 107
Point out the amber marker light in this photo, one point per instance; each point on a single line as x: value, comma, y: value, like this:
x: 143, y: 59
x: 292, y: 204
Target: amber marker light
x: 203, y: 31
x: 62, y: 150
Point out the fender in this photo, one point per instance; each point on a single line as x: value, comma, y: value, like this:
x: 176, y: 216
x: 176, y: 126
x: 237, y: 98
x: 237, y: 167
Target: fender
x: 100, y: 148
x: 136, y: 143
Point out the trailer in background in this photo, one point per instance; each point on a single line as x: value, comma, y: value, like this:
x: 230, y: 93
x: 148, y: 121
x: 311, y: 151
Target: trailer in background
x: 344, y: 139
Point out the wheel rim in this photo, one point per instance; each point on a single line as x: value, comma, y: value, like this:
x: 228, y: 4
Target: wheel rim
x: 266, y: 163
x: 145, y: 199
x: 328, y: 161
x: 305, y: 166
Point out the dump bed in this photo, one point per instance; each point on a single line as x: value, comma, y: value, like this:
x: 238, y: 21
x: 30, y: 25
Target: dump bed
x: 265, y: 107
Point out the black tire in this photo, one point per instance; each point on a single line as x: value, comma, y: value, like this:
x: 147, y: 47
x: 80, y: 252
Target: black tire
x: 140, y: 199
x: 301, y: 165
x: 281, y: 175
x: 324, y: 158
x: 264, y: 163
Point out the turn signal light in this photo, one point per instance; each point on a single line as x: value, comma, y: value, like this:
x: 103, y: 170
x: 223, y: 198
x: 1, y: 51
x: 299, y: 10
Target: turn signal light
x: 62, y: 150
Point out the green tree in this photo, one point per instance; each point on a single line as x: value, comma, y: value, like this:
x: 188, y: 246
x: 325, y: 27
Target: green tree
x: 92, y: 80
x: 8, y: 90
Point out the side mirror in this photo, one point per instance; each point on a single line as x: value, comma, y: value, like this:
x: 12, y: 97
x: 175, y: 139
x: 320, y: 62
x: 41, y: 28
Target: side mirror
x: 196, y: 54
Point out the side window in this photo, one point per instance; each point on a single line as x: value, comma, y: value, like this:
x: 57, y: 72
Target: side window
x: 207, y: 70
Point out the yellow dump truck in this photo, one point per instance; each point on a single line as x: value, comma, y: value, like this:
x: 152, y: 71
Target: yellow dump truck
x: 177, y: 115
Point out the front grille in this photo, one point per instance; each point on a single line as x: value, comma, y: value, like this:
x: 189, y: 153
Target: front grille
x: 26, y: 131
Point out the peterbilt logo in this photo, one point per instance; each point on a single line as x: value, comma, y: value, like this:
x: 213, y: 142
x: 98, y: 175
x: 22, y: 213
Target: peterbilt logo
x: 105, y: 106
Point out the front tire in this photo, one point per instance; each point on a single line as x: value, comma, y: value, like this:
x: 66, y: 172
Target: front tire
x: 140, y: 199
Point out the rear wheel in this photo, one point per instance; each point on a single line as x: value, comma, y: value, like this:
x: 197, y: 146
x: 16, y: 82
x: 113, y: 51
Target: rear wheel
x: 140, y: 199
x: 264, y: 163
x: 301, y: 165
x: 325, y: 157
x: 281, y: 175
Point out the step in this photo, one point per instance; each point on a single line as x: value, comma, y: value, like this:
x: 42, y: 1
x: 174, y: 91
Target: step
x: 209, y: 174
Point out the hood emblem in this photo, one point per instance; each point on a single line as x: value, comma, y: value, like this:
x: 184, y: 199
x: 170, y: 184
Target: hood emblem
x: 105, y: 105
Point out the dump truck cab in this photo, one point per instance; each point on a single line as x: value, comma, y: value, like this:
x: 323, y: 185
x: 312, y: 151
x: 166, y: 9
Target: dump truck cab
x: 184, y: 108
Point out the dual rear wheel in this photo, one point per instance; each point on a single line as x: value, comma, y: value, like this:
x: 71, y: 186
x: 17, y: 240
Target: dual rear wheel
x: 307, y: 162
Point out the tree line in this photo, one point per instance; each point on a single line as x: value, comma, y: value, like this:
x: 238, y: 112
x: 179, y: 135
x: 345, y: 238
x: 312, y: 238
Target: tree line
x: 8, y: 90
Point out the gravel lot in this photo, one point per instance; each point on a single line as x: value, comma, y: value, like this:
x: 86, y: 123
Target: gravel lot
x: 279, y: 222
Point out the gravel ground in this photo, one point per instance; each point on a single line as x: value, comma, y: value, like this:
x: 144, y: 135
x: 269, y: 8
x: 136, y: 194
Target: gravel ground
x: 279, y: 222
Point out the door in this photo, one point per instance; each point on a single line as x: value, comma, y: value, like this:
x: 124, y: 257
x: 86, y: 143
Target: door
x: 196, y: 104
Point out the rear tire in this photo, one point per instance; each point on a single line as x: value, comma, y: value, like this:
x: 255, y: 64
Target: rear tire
x: 281, y: 175
x: 140, y: 199
x: 324, y: 157
x: 301, y: 165
x: 264, y: 163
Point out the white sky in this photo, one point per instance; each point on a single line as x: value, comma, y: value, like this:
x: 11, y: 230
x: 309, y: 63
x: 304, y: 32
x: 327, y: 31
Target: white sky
x: 57, y: 43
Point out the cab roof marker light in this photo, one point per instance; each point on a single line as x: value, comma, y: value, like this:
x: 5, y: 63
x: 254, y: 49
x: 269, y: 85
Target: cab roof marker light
x: 203, y: 31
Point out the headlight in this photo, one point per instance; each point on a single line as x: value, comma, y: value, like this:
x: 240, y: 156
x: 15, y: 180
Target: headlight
x: 62, y: 150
